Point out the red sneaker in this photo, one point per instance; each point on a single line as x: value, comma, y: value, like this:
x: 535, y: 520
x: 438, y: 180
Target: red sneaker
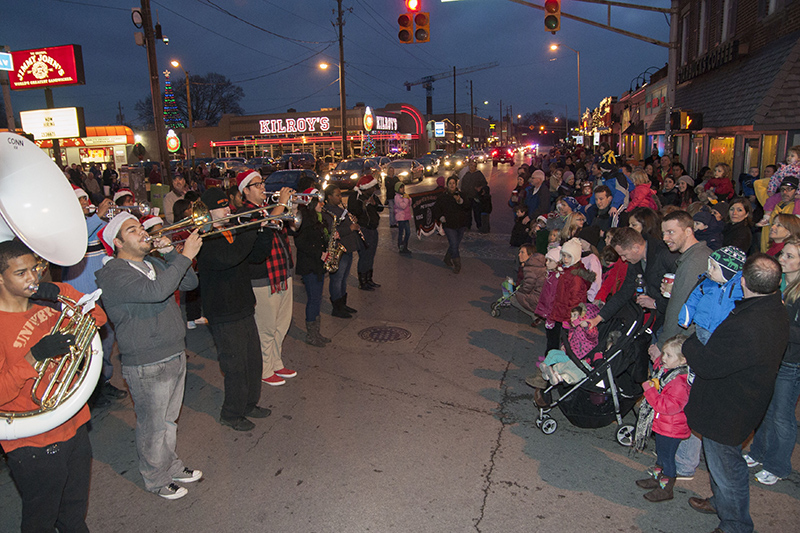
x: 273, y: 380
x: 285, y: 373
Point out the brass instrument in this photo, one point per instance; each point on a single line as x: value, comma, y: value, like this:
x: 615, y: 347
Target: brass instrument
x: 299, y: 198
x: 335, y: 248
x: 142, y: 209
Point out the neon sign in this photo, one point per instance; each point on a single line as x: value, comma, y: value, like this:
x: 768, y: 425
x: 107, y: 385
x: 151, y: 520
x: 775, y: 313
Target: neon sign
x: 294, y: 125
x: 46, y: 67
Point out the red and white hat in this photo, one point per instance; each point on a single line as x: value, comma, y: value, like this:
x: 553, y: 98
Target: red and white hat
x: 150, y: 221
x: 243, y: 179
x: 122, y: 193
x: 366, y: 182
x: 79, y: 192
x: 110, y: 231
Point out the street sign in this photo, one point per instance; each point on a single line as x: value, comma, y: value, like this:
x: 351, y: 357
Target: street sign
x: 438, y: 129
x: 6, y: 63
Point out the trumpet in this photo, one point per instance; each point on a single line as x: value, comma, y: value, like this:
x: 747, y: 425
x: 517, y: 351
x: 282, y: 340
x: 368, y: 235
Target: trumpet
x: 299, y: 198
x: 142, y: 209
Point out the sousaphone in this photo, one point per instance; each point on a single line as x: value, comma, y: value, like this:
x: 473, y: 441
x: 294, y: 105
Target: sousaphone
x: 38, y: 205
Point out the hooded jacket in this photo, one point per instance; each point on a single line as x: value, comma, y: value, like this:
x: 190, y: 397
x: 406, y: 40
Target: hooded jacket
x: 534, y: 275
x: 573, y: 285
x: 710, y: 303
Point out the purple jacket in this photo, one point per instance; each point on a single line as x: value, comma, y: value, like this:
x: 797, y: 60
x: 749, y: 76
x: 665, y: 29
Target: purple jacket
x: 548, y: 295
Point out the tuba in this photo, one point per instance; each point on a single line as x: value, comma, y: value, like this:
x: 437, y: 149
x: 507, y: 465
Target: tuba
x: 38, y: 206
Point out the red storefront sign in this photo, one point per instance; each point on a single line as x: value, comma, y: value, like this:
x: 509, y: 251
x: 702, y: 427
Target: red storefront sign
x: 47, y: 67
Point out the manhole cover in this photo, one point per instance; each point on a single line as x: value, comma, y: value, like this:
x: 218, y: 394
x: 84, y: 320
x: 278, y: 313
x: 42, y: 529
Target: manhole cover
x: 384, y: 334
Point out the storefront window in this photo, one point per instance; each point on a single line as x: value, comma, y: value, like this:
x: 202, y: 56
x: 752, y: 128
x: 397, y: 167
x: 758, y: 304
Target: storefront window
x: 770, y: 151
x: 720, y: 151
x: 752, y: 154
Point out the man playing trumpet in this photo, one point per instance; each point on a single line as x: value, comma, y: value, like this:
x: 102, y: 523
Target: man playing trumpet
x: 51, y: 469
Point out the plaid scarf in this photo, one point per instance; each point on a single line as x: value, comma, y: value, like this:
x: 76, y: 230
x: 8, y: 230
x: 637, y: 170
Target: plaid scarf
x: 279, y: 263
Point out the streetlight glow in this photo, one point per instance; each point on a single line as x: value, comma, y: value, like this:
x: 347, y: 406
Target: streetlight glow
x: 174, y: 63
x: 324, y: 66
x: 553, y: 47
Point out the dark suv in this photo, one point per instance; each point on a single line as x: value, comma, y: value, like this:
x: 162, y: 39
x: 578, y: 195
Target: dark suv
x: 502, y: 154
x: 298, y: 160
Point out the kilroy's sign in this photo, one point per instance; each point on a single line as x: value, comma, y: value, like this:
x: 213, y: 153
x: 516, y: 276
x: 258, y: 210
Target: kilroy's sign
x: 294, y: 125
x: 47, y: 67
x: 377, y: 122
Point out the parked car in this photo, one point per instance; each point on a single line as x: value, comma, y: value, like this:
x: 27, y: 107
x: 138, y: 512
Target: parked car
x: 429, y: 163
x: 379, y: 162
x: 286, y: 178
x: 458, y: 160
x: 298, y: 160
x: 408, y: 170
x: 348, y: 172
x: 265, y: 165
x: 502, y: 154
x: 230, y: 165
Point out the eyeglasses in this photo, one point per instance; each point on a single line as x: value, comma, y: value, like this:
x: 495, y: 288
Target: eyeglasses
x: 257, y: 184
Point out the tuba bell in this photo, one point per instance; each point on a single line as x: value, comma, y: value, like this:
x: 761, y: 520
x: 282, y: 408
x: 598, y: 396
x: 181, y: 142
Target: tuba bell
x: 38, y: 206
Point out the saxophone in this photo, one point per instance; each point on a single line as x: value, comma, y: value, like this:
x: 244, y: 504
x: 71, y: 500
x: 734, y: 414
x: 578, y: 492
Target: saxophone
x: 335, y: 248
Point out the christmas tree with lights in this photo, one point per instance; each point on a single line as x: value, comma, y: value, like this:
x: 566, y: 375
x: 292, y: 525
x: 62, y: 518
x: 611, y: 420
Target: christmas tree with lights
x: 172, y: 119
x: 369, y: 146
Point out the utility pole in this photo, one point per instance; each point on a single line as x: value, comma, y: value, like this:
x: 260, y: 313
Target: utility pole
x: 501, y: 123
x: 155, y: 91
x: 510, y: 121
x: 120, y: 116
x: 454, y: 110
x: 48, y: 98
x: 342, y: 97
x: 471, y: 117
x: 672, y: 75
x: 4, y: 81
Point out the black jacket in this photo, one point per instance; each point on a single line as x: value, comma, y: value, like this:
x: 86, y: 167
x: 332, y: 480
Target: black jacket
x: 659, y: 261
x: 455, y: 215
x: 350, y: 239
x: 367, y: 213
x: 736, y: 370
x: 739, y: 235
x: 311, y: 243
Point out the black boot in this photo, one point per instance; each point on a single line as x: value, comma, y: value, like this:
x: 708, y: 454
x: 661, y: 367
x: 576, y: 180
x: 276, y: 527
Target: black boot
x: 369, y: 280
x: 347, y: 307
x: 339, y: 310
x: 456, y: 265
x: 447, y: 259
x: 362, y: 282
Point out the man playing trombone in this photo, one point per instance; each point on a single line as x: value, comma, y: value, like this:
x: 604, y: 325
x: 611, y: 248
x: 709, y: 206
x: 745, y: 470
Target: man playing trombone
x: 51, y: 469
x: 138, y: 294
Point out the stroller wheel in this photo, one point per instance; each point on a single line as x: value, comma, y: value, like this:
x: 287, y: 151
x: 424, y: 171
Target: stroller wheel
x: 549, y: 426
x: 494, y: 311
x: 625, y: 435
x: 539, y: 423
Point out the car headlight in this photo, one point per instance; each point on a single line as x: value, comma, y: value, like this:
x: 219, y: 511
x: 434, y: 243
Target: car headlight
x: 429, y: 167
x: 327, y: 177
x: 354, y: 176
x: 459, y: 163
x: 404, y: 173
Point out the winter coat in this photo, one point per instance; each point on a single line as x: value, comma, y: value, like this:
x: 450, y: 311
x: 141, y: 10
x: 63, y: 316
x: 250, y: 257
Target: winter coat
x: 538, y: 202
x: 668, y: 404
x: 592, y: 263
x: 534, y: 275
x: 739, y: 235
x: 669, y: 197
x: 690, y: 266
x: 517, y: 196
x: 548, y: 294
x: 519, y: 233
x: 793, y: 349
x: 573, y: 285
x: 402, y: 208
x: 712, y: 235
x: 455, y: 215
x: 783, y: 171
x: 723, y: 188
x: 642, y: 196
x: 710, y: 303
x: 612, y: 280
x: 735, y: 371
x: 583, y: 339
x: 311, y: 243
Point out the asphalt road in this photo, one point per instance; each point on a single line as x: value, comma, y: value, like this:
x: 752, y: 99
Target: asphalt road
x: 434, y: 432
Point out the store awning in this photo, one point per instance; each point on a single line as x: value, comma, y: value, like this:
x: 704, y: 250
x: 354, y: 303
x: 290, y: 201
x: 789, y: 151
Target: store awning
x: 637, y: 128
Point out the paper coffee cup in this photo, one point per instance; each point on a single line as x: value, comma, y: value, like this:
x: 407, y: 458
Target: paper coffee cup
x: 669, y: 279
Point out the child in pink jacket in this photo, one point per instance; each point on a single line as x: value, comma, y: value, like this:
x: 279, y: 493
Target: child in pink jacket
x: 666, y: 395
x: 402, y: 214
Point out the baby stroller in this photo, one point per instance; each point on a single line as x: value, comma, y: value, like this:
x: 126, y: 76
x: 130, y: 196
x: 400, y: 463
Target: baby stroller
x: 611, y: 388
x: 509, y: 289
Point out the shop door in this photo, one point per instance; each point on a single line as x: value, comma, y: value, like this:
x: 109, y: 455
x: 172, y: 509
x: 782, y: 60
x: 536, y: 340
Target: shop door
x: 697, y: 156
x: 752, y: 155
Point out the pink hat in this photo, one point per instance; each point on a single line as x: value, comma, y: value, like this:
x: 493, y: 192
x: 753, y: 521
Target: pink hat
x: 122, y: 193
x: 110, y: 231
x: 79, y: 192
x: 243, y: 179
x: 150, y: 221
x: 366, y: 182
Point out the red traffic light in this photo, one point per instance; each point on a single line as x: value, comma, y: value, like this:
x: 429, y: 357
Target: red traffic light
x: 412, y: 5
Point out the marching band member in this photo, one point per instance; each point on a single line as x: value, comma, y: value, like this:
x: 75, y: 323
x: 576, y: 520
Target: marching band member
x: 338, y: 220
x: 124, y: 197
x: 52, y: 469
x: 229, y: 305
x: 138, y: 296
x: 81, y: 277
x: 271, y: 281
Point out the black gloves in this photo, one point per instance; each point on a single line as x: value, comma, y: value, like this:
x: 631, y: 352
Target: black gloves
x: 52, y: 345
x: 47, y: 291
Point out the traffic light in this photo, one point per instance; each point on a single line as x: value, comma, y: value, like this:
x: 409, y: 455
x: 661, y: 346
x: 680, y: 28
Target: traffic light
x: 686, y: 120
x: 552, y: 15
x: 406, y: 33
x: 412, y: 5
x: 422, y: 33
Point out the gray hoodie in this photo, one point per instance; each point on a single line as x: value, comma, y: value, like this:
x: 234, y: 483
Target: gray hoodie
x: 146, y: 317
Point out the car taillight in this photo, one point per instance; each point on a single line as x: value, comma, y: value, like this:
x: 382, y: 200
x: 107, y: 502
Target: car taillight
x: 510, y: 152
x: 494, y: 153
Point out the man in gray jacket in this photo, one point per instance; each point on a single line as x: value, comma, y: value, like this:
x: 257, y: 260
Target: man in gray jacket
x: 138, y: 295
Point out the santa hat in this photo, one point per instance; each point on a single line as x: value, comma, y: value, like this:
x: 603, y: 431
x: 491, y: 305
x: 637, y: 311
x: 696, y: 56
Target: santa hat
x: 80, y: 192
x: 150, y: 221
x: 243, y: 179
x: 366, y: 182
x: 110, y: 231
x: 122, y: 193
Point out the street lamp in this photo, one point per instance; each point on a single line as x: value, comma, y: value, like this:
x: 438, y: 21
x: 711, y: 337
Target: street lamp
x: 342, y: 108
x: 190, y: 141
x: 555, y: 47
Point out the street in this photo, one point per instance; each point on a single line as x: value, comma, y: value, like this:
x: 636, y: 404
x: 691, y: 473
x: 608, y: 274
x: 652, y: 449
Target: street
x: 434, y: 432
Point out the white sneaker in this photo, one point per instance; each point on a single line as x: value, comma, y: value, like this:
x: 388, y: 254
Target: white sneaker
x: 172, y: 492
x: 751, y: 463
x: 202, y: 321
x: 767, y: 478
x: 191, y: 324
x: 188, y: 476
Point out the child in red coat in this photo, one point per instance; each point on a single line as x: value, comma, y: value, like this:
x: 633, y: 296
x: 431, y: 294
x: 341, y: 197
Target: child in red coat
x: 666, y: 395
x: 642, y: 195
x: 721, y: 184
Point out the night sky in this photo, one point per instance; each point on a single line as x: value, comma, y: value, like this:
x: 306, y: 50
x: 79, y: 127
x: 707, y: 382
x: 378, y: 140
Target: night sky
x: 463, y: 33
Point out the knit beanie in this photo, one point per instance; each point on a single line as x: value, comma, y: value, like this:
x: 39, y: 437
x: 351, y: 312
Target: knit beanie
x: 721, y: 208
x: 704, y: 217
x: 688, y: 180
x: 571, y: 202
x: 573, y: 248
x: 397, y: 186
x: 554, y: 254
x: 730, y: 259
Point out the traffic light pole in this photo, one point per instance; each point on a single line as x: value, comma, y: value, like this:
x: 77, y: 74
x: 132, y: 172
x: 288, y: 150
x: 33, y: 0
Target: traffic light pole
x: 342, y: 97
x: 155, y: 92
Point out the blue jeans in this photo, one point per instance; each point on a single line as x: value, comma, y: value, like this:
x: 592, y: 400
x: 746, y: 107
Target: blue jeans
x: 107, y: 338
x: 665, y: 449
x: 157, y: 393
x: 703, y: 334
x: 688, y: 455
x: 313, y: 284
x: 392, y: 220
x: 403, y: 233
x: 366, y: 258
x: 776, y: 437
x: 730, y: 485
x: 338, y: 283
x: 454, y: 237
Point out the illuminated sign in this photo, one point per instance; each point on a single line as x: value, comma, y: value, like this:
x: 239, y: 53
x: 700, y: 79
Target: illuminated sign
x: 58, y: 123
x: 377, y: 122
x: 369, y: 120
x: 294, y: 125
x: 173, y: 142
x: 438, y: 129
x: 47, y: 67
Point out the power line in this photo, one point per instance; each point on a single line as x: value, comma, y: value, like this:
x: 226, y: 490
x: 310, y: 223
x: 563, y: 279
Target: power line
x: 284, y: 68
x: 296, y: 101
x: 92, y: 5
